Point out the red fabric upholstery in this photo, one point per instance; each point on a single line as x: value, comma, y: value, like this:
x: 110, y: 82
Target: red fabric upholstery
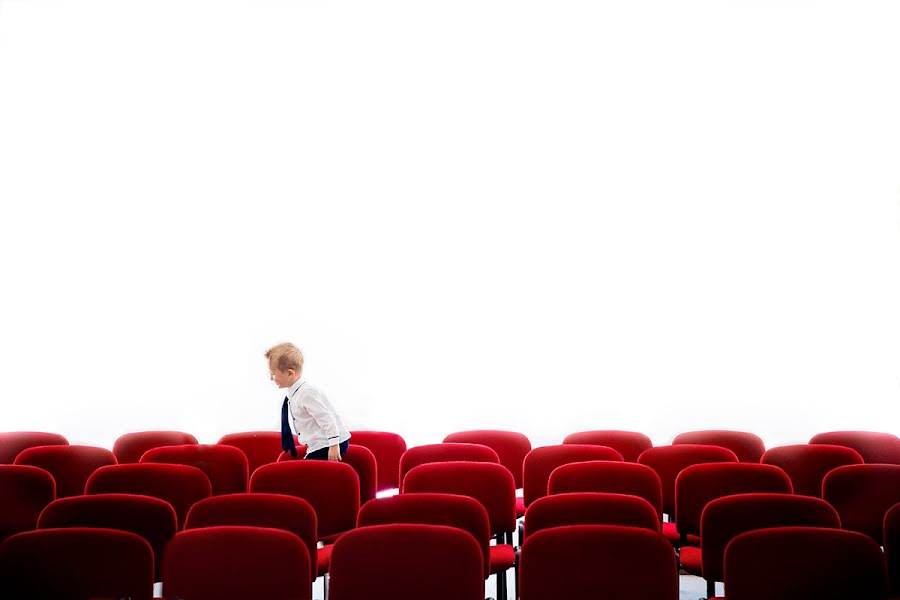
x: 670, y: 531
x: 698, y: 484
x: 225, y: 466
x: 807, y: 464
x: 237, y: 563
x: 151, y: 518
x: 873, y: 446
x: 363, y: 462
x: 540, y: 462
x: 748, y: 447
x: 332, y: 488
x: 431, y: 453
x: 406, y: 562
x: 597, y: 561
x: 590, y: 508
x: 608, y: 477
x: 129, y: 448
x: 275, y: 511
x: 511, y: 447
x: 77, y: 563
x: 668, y: 461
x: 691, y: 560
x: 70, y: 466
x: 629, y: 444
x: 179, y: 485
x: 13, y: 442
x: 892, y: 547
x: 490, y: 484
x: 450, y: 510
x: 260, y: 447
x: 788, y: 563
x: 862, y: 495
x: 24, y: 492
x: 725, y: 518
x: 387, y: 448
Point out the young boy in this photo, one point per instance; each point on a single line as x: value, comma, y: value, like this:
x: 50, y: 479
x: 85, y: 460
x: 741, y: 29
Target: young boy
x: 315, y: 420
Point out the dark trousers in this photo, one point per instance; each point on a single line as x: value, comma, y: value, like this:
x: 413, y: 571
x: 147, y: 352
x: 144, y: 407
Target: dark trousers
x: 323, y: 453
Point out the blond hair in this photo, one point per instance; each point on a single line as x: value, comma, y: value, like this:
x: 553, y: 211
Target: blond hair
x: 285, y: 356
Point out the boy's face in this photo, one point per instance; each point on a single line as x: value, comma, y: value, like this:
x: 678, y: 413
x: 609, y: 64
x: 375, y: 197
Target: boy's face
x: 283, y: 379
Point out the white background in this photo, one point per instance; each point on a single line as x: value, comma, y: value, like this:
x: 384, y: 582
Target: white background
x: 545, y: 216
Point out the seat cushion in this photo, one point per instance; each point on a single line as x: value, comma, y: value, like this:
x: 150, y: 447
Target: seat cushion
x: 503, y: 556
x: 323, y: 558
x: 690, y: 557
x: 520, y: 507
x: 671, y: 533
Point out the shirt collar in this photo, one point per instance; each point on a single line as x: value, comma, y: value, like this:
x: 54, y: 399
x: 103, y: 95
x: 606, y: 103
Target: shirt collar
x: 293, y: 389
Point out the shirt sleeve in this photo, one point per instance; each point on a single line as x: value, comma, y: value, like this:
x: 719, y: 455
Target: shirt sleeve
x: 320, y: 409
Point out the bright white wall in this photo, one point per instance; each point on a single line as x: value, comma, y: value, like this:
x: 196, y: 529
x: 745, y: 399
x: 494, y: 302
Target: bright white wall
x: 535, y: 215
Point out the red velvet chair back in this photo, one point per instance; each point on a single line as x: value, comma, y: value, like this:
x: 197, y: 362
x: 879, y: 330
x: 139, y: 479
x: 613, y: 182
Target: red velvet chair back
x: 608, y: 477
x: 225, y: 466
x: 873, y: 446
x: 75, y: 564
x: 892, y: 548
x: 129, y: 448
x: 597, y: 561
x: 698, y: 484
x: 179, y: 485
x: 590, y: 508
x: 668, y: 461
x: 237, y: 563
x: 436, y: 562
x: 807, y: 464
x: 260, y: 447
x: 70, y: 466
x: 511, y: 447
x: 490, y: 484
x: 725, y: 518
x: 629, y: 444
x: 450, y: 510
x: 151, y: 518
x: 24, y: 492
x: 275, y: 511
x: 363, y: 462
x: 541, y: 462
x: 862, y: 495
x: 748, y: 447
x: 332, y: 488
x: 787, y: 563
x: 388, y: 448
x: 446, y: 452
x: 13, y: 442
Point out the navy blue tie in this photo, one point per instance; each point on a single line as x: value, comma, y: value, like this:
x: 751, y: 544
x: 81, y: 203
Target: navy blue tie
x: 287, y: 438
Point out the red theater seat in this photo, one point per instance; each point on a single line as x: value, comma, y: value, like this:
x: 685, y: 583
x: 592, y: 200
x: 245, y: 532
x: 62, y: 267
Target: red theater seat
x: 363, y: 462
x: 873, y: 446
x: 447, y: 452
x: 24, y: 492
x: 609, y: 477
x: 748, y: 447
x: 70, y: 465
x: 892, y: 548
x: 862, y: 495
x: 808, y: 464
x: 629, y: 444
x: 511, y: 447
x: 590, y: 508
x: 260, y: 447
x: 13, y: 442
x: 129, y: 448
x: 541, y: 462
x: 225, y: 466
x: 388, y: 448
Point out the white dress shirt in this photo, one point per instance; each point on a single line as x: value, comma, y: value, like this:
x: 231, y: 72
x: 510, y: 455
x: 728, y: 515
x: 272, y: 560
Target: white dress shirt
x: 315, y: 420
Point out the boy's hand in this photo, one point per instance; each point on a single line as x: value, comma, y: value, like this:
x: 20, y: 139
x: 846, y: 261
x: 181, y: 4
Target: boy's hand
x: 334, y: 453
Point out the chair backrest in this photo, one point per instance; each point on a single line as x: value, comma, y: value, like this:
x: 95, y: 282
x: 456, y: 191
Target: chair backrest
x: 696, y: 485
x: 76, y: 563
x: 490, y: 484
x: 151, y: 518
x: 892, y: 548
x: 275, y: 511
x: 562, y: 562
x: 130, y: 447
x: 70, y: 465
x: 608, y: 477
x: 862, y: 495
x: 668, y: 461
x: 24, y: 492
x: 807, y: 464
x: 629, y: 444
x: 13, y: 442
x: 541, y: 462
x: 363, y: 462
x: 725, y: 518
x: 511, y: 447
x: 786, y: 563
x: 446, y: 452
x: 237, y: 563
x: 874, y: 447
x: 179, y: 485
x: 388, y: 448
x: 260, y: 447
x: 748, y: 447
x: 225, y: 466
x: 436, y: 562
x: 590, y: 508
x: 332, y: 488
